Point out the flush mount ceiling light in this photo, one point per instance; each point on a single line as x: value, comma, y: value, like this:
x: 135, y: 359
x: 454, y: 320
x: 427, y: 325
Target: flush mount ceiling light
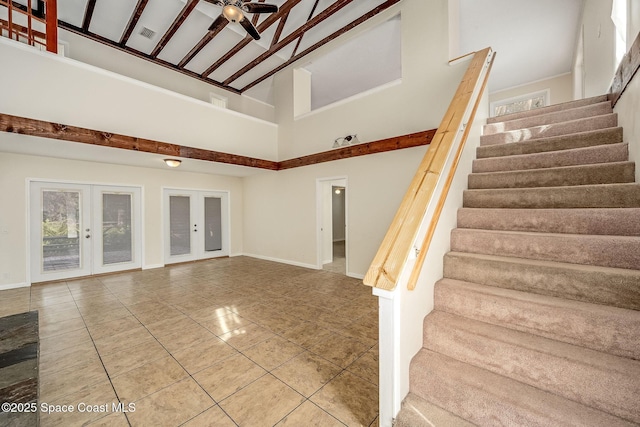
x: 173, y: 163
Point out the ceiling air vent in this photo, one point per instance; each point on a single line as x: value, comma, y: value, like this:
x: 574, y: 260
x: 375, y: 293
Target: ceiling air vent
x: 148, y: 33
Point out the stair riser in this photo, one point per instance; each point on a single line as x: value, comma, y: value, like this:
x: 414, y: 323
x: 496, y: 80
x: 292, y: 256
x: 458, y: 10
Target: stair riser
x: 563, y: 142
x: 608, y: 251
x: 487, y: 399
x: 580, y: 156
x: 549, y: 109
x: 623, y: 222
x: 604, y: 382
x: 597, y: 196
x: 581, y: 125
x: 550, y: 118
x: 600, y: 328
x: 615, y: 287
x: 607, y: 173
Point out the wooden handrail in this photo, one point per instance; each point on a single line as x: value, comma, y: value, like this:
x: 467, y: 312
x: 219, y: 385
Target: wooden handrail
x: 48, y: 39
x: 386, y: 267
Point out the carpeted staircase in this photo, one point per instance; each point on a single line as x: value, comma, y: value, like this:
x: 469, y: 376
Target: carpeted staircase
x: 537, y: 319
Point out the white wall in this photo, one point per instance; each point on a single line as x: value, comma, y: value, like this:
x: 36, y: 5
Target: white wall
x: 560, y: 89
x: 599, y: 47
x: 280, y: 208
x: 48, y: 87
x: 94, y: 53
x: 15, y: 169
x: 416, y: 104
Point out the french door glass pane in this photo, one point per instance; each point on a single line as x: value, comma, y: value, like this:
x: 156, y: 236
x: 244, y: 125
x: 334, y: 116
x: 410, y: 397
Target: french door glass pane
x: 213, y: 224
x: 60, y: 230
x: 180, y: 225
x: 117, y: 242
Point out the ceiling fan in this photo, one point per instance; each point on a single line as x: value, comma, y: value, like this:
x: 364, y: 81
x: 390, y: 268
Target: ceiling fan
x: 236, y: 10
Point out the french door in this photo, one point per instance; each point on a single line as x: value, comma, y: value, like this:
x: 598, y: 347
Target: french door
x: 196, y: 225
x: 80, y: 229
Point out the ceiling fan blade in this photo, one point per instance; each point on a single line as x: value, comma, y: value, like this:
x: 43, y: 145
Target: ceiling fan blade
x: 260, y: 7
x: 216, y: 2
x: 250, y: 28
x: 219, y: 23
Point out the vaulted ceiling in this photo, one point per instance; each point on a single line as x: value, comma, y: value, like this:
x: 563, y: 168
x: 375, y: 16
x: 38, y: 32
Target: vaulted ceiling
x: 176, y: 33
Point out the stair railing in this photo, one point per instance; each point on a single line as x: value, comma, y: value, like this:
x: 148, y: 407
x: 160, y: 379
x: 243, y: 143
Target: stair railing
x: 409, y: 234
x: 48, y: 21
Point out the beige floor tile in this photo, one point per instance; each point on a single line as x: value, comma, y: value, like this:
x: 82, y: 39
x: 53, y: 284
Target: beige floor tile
x: 159, y: 314
x: 58, y: 316
x: 116, y: 419
x: 339, y: 349
x: 113, y: 327
x: 123, y: 340
x: 51, y: 301
x: 52, y: 309
x: 212, y: 417
x: 246, y: 336
x: 171, y: 406
x: 309, y: 415
x: 168, y: 326
x: 185, y: 338
x: 95, y: 318
x: 147, y: 379
x: 204, y: 354
x: 273, y: 352
x: 133, y: 357
x: 64, y: 340
x: 220, y: 325
x: 262, y: 403
x: 367, y: 366
x: 54, y: 385
x: 307, y: 334
x: 80, y: 354
x: 57, y: 328
x: 307, y: 373
x: 209, y: 313
x: 228, y: 376
x: 90, y: 403
x: 350, y: 399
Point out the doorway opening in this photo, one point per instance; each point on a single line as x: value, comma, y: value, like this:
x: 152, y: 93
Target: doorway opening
x: 332, y: 209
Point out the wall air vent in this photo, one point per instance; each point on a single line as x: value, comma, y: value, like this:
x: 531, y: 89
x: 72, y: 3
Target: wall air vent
x: 148, y: 33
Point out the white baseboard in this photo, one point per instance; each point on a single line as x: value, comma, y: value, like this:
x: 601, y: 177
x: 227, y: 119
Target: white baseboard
x: 356, y: 275
x: 150, y: 266
x: 284, y: 261
x: 14, y: 286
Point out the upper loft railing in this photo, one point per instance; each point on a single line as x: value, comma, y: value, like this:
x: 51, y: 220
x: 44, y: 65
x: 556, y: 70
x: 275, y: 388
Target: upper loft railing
x: 36, y: 26
x: 402, y: 238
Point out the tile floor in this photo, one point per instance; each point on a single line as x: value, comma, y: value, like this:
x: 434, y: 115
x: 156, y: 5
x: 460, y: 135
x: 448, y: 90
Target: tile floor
x: 225, y: 342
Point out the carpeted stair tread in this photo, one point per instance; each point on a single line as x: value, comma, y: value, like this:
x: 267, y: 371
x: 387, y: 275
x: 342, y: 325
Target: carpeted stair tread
x: 600, y: 173
x: 549, y: 109
x: 612, y: 135
x: 617, y: 287
x: 590, y: 110
x: 600, y: 221
x: 603, y: 381
x: 549, y: 159
x: 544, y: 131
x: 488, y: 399
x: 580, y: 196
x: 607, y: 251
x: 417, y: 412
x: 598, y: 327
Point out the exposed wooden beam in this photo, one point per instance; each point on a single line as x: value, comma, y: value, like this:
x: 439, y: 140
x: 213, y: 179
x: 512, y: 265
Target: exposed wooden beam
x: 397, y: 143
x: 313, y: 10
x: 284, y: 9
x: 88, y: 14
x: 335, y: 7
x: 278, y: 33
x: 182, y: 16
x: 33, y: 127
x: 44, y: 129
x: 133, y: 21
x: 157, y: 61
x: 387, y: 4
x: 198, y: 47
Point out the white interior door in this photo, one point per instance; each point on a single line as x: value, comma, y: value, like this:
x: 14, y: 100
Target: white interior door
x: 196, y: 225
x: 81, y: 229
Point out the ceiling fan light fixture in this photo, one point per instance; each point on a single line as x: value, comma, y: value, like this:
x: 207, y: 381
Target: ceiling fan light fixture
x: 232, y: 13
x: 173, y: 163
